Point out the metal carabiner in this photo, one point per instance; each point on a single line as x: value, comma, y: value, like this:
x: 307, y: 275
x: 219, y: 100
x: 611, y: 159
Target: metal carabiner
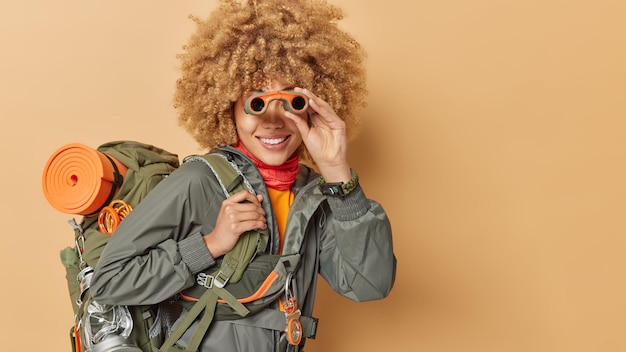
x: 79, y: 250
x: 292, y: 315
x: 288, y: 293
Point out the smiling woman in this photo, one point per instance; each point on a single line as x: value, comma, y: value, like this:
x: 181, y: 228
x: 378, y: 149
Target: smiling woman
x: 262, y: 86
x: 494, y: 136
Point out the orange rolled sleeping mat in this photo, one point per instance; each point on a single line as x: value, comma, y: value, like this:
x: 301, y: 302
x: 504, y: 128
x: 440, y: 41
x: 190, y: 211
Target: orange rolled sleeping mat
x: 80, y: 180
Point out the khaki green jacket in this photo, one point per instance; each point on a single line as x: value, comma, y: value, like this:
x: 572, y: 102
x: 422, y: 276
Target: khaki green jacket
x: 158, y: 249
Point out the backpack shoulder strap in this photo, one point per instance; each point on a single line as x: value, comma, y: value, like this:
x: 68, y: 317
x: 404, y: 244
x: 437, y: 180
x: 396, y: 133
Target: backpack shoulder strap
x: 234, y: 263
x: 231, y: 181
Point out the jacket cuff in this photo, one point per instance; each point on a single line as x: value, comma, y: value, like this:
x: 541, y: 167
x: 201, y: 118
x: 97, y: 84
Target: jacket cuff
x: 195, y: 253
x: 350, y: 207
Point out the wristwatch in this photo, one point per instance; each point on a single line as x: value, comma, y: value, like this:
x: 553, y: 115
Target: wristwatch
x: 339, y: 189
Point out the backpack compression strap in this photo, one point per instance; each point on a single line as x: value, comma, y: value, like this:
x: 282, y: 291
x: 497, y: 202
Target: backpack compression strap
x: 234, y: 263
x: 207, y: 304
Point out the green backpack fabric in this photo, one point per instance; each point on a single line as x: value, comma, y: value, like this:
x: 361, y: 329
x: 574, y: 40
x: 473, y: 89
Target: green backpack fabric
x: 226, y: 291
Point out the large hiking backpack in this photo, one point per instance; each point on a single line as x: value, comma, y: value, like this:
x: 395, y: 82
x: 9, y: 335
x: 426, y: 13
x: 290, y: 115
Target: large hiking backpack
x: 145, y: 166
x: 226, y: 291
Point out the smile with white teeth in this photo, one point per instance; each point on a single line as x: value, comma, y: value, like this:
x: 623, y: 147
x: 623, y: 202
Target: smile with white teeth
x: 273, y: 141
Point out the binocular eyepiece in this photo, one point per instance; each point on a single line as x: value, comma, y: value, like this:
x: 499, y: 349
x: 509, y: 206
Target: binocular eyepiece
x: 294, y: 102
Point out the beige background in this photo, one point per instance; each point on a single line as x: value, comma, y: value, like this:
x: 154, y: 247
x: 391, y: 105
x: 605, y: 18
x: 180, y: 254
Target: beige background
x: 494, y: 138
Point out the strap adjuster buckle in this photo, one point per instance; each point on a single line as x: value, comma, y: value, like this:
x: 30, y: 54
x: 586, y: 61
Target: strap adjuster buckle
x: 205, y: 280
x: 220, y: 280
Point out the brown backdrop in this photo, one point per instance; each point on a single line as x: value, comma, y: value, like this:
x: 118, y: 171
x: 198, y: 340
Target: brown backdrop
x: 494, y: 138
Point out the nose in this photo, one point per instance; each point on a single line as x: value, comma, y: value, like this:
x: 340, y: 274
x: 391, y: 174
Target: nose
x: 274, y: 115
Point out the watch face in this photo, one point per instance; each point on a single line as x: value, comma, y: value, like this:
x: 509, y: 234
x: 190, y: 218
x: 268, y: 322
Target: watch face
x: 335, y: 189
x: 331, y: 189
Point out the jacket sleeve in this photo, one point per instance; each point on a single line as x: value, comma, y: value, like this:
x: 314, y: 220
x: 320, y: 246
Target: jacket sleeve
x: 357, y: 256
x: 158, y: 248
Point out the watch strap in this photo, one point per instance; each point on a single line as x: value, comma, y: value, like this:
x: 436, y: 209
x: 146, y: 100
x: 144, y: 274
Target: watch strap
x: 339, y: 189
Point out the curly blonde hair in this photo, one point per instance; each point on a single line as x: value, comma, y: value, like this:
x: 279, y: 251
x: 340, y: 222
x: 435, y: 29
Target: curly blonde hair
x: 245, y: 44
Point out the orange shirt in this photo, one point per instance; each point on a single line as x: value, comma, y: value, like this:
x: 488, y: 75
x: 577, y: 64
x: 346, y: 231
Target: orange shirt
x: 281, y: 202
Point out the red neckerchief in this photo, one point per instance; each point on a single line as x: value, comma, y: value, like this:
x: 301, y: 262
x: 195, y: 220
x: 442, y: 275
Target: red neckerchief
x: 279, y: 177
